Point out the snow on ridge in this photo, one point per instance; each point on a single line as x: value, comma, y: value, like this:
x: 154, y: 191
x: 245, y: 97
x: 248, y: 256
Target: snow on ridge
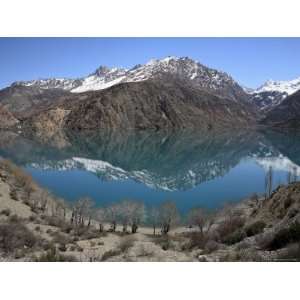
x: 288, y: 87
x: 95, y: 84
x: 105, y: 77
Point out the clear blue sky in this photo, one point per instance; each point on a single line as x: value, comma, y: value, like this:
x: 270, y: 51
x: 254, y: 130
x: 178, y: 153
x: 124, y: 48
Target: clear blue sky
x: 251, y: 61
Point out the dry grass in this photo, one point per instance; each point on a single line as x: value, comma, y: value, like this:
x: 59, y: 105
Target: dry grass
x: 14, y: 235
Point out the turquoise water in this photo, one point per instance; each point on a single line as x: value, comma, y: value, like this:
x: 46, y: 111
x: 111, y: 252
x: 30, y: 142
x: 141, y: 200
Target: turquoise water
x: 192, y: 169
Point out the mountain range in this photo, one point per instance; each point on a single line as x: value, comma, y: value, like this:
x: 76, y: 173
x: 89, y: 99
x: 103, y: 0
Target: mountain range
x: 167, y: 93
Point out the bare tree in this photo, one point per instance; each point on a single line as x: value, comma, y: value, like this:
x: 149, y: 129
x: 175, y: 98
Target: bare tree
x: 111, y: 215
x: 168, y: 216
x: 28, y: 185
x: 131, y: 213
x: 124, y: 214
x: 269, y: 182
x: 196, y: 218
x: 44, y: 196
x: 202, y: 219
x: 294, y: 174
x: 100, y: 217
x: 137, y: 215
x: 60, y: 208
x: 289, y: 177
x: 82, y: 210
x: 153, y: 215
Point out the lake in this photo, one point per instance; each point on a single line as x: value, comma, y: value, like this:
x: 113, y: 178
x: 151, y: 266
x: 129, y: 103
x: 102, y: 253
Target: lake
x: 190, y: 168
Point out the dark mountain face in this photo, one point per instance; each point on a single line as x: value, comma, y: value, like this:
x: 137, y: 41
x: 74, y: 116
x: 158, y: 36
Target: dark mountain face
x: 266, y: 101
x: 287, y: 114
x: 7, y: 119
x: 144, y: 105
x: 22, y: 100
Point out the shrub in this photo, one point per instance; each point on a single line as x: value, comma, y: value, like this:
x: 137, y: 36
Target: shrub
x: 245, y: 255
x: 255, y: 228
x: 14, y: 219
x: 292, y: 253
x: 49, y: 231
x: 19, y: 253
x: 54, y: 221
x: 164, y: 241
x: 110, y: 253
x: 196, y: 240
x: 46, y: 245
x: 229, y: 226
x: 293, y: 212
x: 6, y: 212
x: 211, y: 246
x: 285, y: 236
x: 32, y: 218
x: 53, y: 256
x: 86, y: 233
x: 144, y: 252
x: 234, y: 237
x: 13, y: 195
x: 126, y: 243
x: 61, y: 239
x: 72, y: 248
x: 288, y: 202
x: 67, y: 228
x: 62, y: 247
x: 15, y: 236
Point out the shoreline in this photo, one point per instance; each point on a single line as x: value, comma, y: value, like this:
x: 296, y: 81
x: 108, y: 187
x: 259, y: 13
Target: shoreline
x: 242, y: 232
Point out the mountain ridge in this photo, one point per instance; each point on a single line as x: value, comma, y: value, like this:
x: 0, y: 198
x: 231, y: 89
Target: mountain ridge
x: 183, y: 67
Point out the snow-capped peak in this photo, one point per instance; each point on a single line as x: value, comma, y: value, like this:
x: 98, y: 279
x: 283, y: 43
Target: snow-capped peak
x: 289, y: 86
x: 182, y: 67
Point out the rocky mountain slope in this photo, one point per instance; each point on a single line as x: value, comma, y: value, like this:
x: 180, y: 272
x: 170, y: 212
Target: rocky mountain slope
x: 22, y: 100
x: 286, y: 114
x: 7, y: 119
x: 145, y: 105
x: 272, y: 93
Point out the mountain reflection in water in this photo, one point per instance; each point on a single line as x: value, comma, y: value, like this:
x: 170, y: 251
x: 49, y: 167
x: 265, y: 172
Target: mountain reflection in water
x: 193, y: 169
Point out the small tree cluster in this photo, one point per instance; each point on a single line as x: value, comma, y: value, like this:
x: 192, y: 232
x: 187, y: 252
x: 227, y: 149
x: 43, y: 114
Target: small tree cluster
x: 168, y: 215
x: 200, y: 218
x: 81, y: 212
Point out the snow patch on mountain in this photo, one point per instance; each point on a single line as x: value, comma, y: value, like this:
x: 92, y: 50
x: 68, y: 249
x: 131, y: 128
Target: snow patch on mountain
x: 272, y: 93
x: 52, y: 83
x: 286, y: 87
